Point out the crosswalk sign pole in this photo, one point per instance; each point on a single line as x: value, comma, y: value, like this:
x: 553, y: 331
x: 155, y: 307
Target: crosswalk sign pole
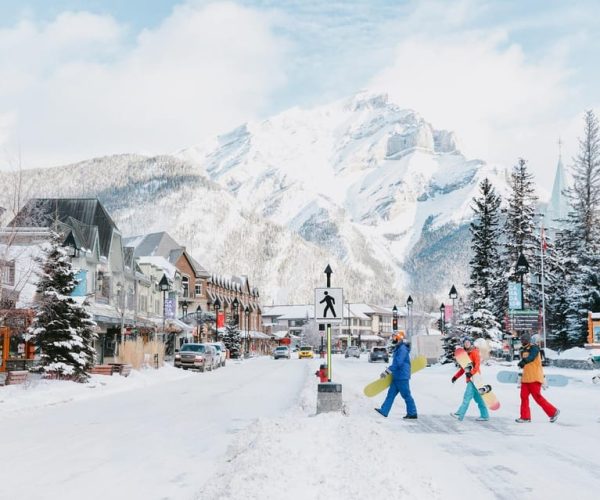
x: 329, y: 352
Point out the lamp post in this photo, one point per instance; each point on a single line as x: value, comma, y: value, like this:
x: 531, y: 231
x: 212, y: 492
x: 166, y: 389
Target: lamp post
x: 236, y: 305
x: 164, y: 287
x: 217, y: 306
x: 198, y: 322
x: 409, y: 304
x: 442, y: 311
x: 394, y: 319
x: 247, y: 314
x: 121, y: 309
x: 521, y: 269
x: 184, y: 309
x: 453, y: 295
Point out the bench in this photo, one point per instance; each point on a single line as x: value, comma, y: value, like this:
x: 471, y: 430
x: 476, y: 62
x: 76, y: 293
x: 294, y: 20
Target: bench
x: 125, y: 370
x: 16, y: 377
x: 102, y: 370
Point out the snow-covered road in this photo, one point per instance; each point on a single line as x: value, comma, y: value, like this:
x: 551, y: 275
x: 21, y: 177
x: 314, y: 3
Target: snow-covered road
x: 249, y: 432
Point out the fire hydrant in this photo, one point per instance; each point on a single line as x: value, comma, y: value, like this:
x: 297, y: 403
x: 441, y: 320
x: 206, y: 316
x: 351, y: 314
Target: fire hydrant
x: 322, y: 373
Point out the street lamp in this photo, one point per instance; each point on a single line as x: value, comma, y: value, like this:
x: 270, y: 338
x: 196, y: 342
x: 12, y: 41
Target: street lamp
x: 198, y: 321
x: 121, y: 309
x: 235, y: 305
x: 394, y: 319
x: 442, y: 311
x: 453, y: 294
x: 184, y: 308
x: 409, y: 304
x: 521, y: 269
x: 164, y: 287
x: 217, y: 306
x: 247, y: 314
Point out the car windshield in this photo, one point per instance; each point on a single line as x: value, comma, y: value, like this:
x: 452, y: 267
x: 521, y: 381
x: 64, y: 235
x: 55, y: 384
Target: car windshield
x: 281, y: 349
x: 192, y: 348
x: 216, y: 346
x: 306, y: 348
x: 379, y: 349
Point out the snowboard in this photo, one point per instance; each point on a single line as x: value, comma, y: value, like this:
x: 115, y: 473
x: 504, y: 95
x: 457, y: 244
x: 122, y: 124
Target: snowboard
x: 553, y: 380
x: 381, y: 384
x: 490, y: 399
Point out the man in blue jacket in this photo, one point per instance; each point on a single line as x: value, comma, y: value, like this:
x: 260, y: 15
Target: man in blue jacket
x: 400, y: 370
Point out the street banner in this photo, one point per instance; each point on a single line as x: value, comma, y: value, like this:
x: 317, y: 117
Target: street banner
x: 448, y: 313
x: 514, y: 295
x: 221, y: 319
x: 170, y: 306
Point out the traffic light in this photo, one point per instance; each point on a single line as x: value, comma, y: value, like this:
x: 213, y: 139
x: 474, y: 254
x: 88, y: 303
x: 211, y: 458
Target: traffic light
x: 439, y: 324
x: 395, y: 324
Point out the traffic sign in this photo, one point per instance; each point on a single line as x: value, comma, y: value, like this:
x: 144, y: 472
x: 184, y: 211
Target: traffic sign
x: 329, y: 305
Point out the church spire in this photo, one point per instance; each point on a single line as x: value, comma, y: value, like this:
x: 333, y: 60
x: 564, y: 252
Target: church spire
x: 558, y: 207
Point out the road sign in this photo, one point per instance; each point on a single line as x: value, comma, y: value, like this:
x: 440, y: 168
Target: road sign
x: 525, y: 319
x: 329, y: 305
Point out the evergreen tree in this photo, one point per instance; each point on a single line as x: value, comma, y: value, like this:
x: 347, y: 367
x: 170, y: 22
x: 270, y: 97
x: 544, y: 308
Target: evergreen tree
x: 581, y: 244
x: 486, y: 283
x: 232, y: 340
x: 62, y: 328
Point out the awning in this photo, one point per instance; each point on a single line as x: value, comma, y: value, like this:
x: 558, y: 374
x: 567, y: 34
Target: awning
x: 179, y: 325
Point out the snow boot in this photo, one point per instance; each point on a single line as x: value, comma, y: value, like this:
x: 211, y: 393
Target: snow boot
x: 378, y: 410
x: 410, y: 417
x: 482, y: 419
x: 553, y: 418
x: 522, y: 420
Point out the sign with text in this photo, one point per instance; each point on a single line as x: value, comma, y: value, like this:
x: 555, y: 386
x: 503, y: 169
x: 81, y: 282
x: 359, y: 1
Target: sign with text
x: 170, y: 305
x: 525, y: 320
x: 329, y: 305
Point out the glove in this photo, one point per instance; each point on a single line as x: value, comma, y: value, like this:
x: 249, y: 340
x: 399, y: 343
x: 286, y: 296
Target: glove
x: 454, y: 379
x: 468, y: 376
x: 385, y: 373
x: 521, y: 364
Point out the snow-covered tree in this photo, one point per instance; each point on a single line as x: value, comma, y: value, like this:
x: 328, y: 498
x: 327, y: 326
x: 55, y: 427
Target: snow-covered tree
x: 581, y: 236
x: 520, y: 231
x: 486, y: 283
x: 62, y: 328
x: 232, y: 339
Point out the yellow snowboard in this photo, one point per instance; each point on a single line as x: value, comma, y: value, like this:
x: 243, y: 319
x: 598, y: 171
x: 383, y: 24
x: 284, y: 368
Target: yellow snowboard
x: 381, y: 384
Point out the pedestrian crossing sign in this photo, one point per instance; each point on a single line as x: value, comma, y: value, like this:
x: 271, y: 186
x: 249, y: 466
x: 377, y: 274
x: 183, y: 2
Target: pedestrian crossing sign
x: 329, y: 305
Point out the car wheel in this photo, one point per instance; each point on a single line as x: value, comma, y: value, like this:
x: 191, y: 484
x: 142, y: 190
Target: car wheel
x: 201, y: 369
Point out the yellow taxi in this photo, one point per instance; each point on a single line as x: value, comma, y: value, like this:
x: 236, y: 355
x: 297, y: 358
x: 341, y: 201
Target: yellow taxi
x: 306, y: 352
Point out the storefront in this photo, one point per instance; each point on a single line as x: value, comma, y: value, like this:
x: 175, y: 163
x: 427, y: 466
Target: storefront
x: 15, y: 352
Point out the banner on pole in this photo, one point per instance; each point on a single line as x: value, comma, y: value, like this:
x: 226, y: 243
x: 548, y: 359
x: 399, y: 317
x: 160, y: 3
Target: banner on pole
x: 514, y: 295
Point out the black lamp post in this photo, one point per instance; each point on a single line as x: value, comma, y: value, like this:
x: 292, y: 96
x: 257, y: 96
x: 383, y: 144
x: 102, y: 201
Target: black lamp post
x: 409, y: 304
x: 394, y: 319
x: 184, y: 308
x: 442, y: 311
x: 247, y: 314
x: 217, y: 306
x: 453, y: 294
x: 164, y: 287
x: 236, y: 305
x: 521, y: 269
x: 199, y: 322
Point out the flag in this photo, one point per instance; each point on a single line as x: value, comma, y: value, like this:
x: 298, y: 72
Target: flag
x: 544, y: 242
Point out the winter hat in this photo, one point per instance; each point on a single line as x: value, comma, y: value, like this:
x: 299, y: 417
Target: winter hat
x: 398, y: 337
x: 525, y: 338
x: 467, y: 339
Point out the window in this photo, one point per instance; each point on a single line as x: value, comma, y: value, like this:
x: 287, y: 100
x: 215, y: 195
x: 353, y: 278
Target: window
x: 198, y: 289
x: 185, y: 285
x: 7, y: 272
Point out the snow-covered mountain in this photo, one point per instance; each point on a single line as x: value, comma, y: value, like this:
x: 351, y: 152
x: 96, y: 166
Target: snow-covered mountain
x: 362, y: 184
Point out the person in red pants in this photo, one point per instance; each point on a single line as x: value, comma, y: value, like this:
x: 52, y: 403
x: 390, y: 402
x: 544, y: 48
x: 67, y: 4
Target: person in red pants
x: 532, y: 380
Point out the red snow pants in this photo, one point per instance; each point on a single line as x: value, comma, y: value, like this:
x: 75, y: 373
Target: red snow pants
x: 534, y: 388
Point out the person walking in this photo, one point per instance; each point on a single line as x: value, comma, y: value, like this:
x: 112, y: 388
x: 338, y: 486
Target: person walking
x: 532, y: 380
x: 400, y: 370
x: 471, y: 391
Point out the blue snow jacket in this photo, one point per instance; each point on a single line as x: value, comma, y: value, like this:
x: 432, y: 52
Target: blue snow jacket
x: 400, y: 366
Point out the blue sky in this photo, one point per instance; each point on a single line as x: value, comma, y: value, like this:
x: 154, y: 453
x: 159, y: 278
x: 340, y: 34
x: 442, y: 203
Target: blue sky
x: 509, y: 77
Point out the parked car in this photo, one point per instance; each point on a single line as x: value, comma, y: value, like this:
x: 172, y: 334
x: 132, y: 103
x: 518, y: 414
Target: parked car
x: 196, y: 356
x: 221, y: 351
x: 306, y: 351
x: 281, y: 351
x: 378, y: 354
x: 352, y: 351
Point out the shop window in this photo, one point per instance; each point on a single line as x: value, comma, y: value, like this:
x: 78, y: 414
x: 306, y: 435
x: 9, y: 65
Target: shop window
x: 198, y: 289
x: 185, y: 285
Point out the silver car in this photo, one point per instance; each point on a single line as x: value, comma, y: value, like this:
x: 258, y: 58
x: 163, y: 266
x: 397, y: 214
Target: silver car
x: 197, y: 356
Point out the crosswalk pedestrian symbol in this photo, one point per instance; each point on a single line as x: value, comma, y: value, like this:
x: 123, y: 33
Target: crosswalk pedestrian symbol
x: 329, y: 305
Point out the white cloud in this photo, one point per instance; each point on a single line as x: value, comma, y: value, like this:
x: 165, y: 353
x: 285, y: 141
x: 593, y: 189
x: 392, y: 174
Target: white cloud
x: 79, y: 86
x: 501, y: 105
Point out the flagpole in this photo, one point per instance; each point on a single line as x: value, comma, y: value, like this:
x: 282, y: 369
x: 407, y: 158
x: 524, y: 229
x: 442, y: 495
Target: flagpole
x: 543, y: 248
